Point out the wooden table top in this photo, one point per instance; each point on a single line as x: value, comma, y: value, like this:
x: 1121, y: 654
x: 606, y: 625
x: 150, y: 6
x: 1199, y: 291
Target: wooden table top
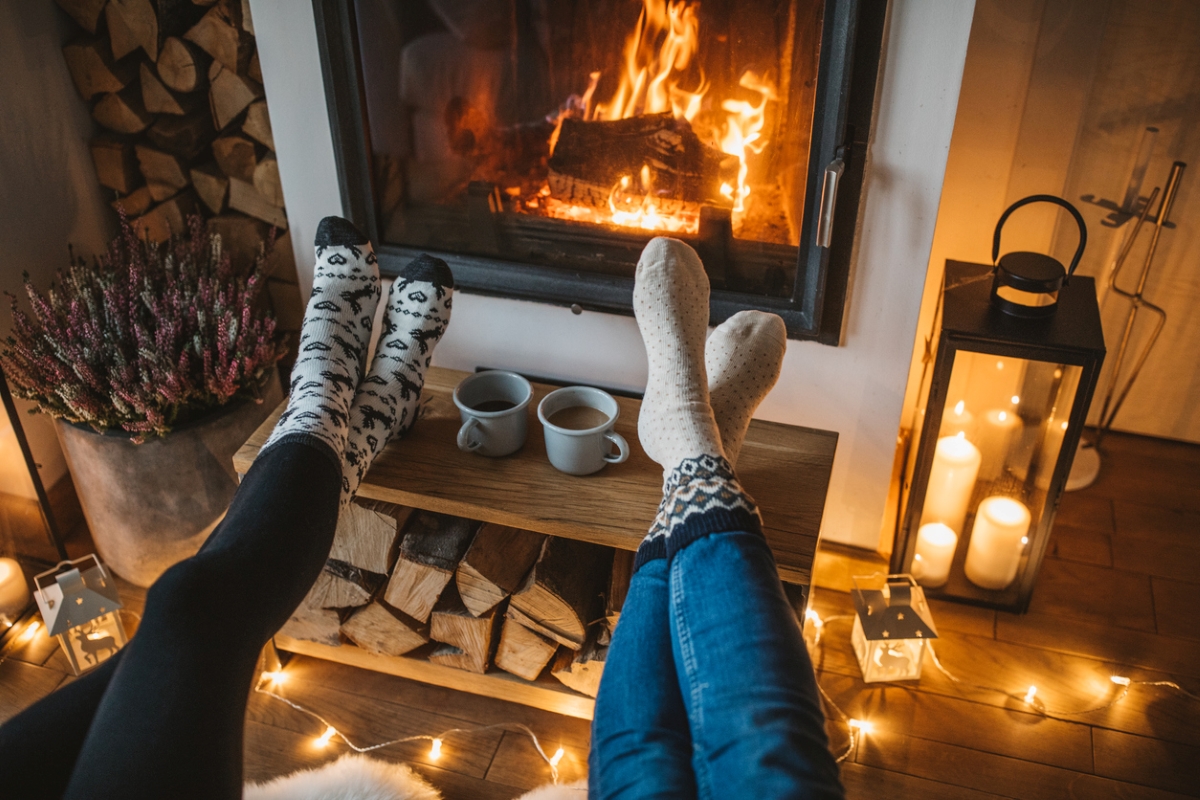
x: 785, y: 468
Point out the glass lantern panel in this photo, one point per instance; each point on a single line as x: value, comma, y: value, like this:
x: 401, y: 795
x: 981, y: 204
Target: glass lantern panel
x: 887, y: 659
x: 91, y: 644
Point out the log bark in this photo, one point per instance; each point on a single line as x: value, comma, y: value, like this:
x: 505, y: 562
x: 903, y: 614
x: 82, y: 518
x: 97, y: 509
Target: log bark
x: 158, y: 98
x: 93, y: 69
x: 183, y: 66
x: 166, y: 218
x: 497, y: 563
x: 164, y: 173
x: 366, y: 535
x: 523, y: 652
x: 379, y: 629
x: 432, y: 546
x: 344, y: 590
x: 582, y: 670
x: 85, y: 12
x: 564, y: 590
x: 591, y: 158
x: 471, y: 639
x: 236, y: 156
x: 185, y: 137
x: 258, y: 124
x: 245, y: 198
x: 116, y: 164
x: 266, y: 181
x: 219, y: 33
x: 211, y: 186
x: 134, y: 204
x: 618, y: 588
x: 123, y: 111
x: 148, y: 23
x: 229, y: 94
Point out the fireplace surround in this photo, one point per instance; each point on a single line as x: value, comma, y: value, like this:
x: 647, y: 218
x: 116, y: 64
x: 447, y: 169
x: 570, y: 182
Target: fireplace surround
x: 537, y: 146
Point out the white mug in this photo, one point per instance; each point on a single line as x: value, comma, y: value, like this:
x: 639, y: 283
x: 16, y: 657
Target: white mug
x: 578, y: 422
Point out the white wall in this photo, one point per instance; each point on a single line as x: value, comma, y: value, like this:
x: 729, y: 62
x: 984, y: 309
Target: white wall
x: 50, y: 196
x: 856, y: 390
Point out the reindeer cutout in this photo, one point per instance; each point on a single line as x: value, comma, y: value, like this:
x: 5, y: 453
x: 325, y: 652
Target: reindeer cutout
x: 93, y: 640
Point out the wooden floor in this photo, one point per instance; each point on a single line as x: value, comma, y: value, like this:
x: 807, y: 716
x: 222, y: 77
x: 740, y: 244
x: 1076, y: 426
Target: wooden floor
x: 1119, y: 594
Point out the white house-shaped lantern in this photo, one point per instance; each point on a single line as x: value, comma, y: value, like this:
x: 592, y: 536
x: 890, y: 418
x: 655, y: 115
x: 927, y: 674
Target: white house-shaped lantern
x: 79, y: 603
x: 891, y: 627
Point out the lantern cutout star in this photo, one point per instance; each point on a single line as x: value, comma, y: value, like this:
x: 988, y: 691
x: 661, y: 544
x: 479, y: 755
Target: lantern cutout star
x: 891, y: 627
x: 79, y: 604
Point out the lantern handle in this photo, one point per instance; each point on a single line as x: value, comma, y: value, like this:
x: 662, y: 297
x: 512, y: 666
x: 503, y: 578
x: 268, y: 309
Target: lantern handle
x: 1044, y: 198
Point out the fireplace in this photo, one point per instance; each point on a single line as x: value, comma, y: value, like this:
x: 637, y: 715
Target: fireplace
x: 538, y: 144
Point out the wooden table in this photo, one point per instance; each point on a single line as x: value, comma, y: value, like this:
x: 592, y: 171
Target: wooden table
x: 785, y: 468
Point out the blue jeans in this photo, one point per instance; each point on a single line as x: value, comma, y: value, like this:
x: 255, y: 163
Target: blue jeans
x: 708, y: 690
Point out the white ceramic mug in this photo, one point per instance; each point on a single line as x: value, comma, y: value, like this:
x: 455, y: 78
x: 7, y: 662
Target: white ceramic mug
x: 492, y: 406
x: 581, y: 441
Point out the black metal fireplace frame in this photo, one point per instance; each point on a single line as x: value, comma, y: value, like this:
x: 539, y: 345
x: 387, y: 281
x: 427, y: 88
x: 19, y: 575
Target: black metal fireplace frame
x: 851, y: 41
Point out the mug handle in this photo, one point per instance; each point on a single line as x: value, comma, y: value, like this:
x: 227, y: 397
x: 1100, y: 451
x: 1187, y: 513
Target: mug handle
x: 464, y: 439
x: 622, y: 447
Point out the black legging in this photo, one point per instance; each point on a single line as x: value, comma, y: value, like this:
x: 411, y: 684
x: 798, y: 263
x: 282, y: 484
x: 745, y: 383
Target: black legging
x: 164, y: 717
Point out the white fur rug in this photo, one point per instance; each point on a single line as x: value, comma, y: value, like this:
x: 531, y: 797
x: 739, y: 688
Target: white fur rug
x: 357, y: 777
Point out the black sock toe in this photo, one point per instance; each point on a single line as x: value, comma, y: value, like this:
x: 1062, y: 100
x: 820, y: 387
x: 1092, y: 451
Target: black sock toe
x: 338, y: 232
x: 427, y: 269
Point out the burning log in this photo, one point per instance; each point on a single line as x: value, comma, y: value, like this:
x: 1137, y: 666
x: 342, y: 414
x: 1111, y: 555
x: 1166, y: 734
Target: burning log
x: 563, y: 591
x: 499, y: 559
x: 653, y: 154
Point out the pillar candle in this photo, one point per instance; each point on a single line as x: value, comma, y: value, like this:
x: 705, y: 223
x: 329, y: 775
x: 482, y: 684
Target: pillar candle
x: 994, y: 436
x: 996, y: 542
x: 958, y: 420
x: 14, y: 593
x: 951, y: 481
x: 935, y: 551
x: 1051, y: 448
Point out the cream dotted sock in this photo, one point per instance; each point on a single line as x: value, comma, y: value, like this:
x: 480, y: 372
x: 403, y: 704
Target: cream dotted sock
x: 743, y: 358
x: 333, y: 339
x: 676, y: 425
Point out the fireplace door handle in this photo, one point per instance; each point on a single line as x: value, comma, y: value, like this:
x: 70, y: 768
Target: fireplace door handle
x: 829, y: 190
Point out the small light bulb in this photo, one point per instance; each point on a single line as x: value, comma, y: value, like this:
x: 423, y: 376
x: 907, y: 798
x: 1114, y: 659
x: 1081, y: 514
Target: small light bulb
x: 959, y: 407
x: 814, y: 617
x: 435, y: 750
x: 1003, y: 416
x: 275, y: 678
x: 862, y: 726
x: 31, y: 631
x: 1032, y: 693
x: 557, y: 757
x: 1024, y: 540
x: 1016, y: 399
x: 324, y: 738
x: 1120, y: 680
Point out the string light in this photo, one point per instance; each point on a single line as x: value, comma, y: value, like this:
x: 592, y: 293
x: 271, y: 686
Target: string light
x: 863, y: 726
x: 435, y: 750
x: 30, y: 632
x: 275, y: 678
x: 324, y: 738
x: 557, y: 757
x: 1030, y: 695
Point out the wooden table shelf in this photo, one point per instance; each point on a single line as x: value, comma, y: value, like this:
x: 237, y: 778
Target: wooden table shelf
x: 785, y: 468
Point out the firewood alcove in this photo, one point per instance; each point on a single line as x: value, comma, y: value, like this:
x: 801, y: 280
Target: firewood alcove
x: 504, y: 577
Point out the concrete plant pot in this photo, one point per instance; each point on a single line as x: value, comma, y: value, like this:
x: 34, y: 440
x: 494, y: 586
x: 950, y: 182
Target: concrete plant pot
x: 151, y: 505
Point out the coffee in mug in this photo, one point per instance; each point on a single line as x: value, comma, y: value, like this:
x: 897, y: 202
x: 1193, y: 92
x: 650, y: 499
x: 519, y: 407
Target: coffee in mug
x: 578, y: 422
x: 492, y: 406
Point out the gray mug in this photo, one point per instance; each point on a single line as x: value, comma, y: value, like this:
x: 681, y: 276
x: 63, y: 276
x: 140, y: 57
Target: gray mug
x: 578, y: 422
x: 492, y: 406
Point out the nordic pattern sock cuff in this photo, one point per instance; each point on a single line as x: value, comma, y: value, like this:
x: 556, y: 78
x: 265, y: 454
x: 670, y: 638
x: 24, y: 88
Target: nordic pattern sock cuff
x: 701, y: 496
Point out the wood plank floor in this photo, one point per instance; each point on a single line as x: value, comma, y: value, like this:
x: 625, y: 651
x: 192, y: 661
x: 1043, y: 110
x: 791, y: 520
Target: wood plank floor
x: 1118, y: 594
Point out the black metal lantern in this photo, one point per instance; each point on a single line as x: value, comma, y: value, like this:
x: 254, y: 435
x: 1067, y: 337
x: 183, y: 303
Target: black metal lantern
x: 1004, y: 405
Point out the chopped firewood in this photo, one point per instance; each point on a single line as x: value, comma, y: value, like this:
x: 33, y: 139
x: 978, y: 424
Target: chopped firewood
x: 245, y: 198
x: 592, y: 158
x: 366, y: 535
x: 247, y: 21
x: 165, y: 175
x: 211, y: 186
x: 93, y: 69
x: 255, y: 69
x: 204, y: 3
x: 124, y: 39
x: 134, y: 204
x: 564, y: 590
x: 236, y: 156
x: 229, y: 94
x: 123, y: 111
x: 320, y: 625
x: 241, y: 236
x: 266, y: 181
x: 432, y: 546
x: 523, y: 652
x: 258, y: 124
x: 155, y: 97
x: 521, y: 618
x: 219, y: 33
x: 85, y: 12
x: 147, y: 23
x: 499, y: 559
x: 379, y: 629
x: 116, y: 164
x: 618, y: 588
x: 166, y: 218
x: 473, y: 637
x: 184, y: 136
x: 182, y: 65
x: 582, y: 670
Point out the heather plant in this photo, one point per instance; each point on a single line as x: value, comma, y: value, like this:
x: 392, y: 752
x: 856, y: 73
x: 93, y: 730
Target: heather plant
x: 146, y: 338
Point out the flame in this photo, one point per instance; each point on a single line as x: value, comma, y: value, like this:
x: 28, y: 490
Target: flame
x: 743, y: 129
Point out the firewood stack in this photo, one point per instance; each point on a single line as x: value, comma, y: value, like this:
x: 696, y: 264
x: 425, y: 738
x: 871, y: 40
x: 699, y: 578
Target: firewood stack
x: 403, y: 582
x: 182, y: 125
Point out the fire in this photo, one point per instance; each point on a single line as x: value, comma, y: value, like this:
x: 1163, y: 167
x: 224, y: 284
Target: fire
x: 657, y: 62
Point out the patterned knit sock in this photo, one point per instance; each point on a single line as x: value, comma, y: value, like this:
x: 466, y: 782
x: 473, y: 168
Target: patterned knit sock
x: 418, y: 311
x: 676, y: 426
x: 743, y: 357
x: 333, y: 339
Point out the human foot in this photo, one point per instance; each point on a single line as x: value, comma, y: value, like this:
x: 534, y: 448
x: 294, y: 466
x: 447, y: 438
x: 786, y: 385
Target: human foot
x: 743, y: 358
x: 333, y: 338
x: 417, y: 313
